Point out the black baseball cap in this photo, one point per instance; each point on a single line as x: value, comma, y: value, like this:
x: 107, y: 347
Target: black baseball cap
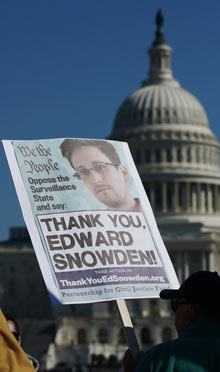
x: 200, y: 288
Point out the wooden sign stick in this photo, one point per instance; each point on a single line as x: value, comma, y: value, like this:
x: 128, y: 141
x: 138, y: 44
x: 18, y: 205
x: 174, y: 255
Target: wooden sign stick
x: 128, y: 328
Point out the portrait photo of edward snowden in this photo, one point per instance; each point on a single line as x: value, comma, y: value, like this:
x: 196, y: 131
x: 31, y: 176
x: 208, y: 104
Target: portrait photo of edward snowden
x: 97, y: 164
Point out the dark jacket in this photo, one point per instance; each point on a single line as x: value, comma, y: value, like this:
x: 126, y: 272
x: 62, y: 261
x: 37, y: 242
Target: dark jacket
x: 197, y: 349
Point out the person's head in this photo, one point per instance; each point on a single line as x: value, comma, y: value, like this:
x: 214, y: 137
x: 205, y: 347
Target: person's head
x: 98, y: 165
x: 13, y: 326
x: 197, y: 298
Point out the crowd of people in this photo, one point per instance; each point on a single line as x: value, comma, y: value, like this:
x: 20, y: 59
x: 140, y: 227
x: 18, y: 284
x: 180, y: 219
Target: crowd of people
x: 196, y: 308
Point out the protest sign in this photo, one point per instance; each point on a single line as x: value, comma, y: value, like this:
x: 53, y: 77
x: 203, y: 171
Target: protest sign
x: 89, y: 220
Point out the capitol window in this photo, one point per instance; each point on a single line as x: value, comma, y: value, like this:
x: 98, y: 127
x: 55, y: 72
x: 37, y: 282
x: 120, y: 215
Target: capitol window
x: 179, y: 155
x: 169, y: 156
x: 81, y: 336
x: 158, y: 156
x: 121, y: 337
x: 103, y: 336
x: 147, y: 156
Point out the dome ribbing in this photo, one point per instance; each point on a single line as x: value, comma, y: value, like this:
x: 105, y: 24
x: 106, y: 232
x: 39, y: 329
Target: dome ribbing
x: 159, y: 104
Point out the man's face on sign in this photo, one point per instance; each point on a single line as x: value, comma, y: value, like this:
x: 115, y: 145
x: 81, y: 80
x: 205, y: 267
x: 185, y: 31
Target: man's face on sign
x: 107, y: 182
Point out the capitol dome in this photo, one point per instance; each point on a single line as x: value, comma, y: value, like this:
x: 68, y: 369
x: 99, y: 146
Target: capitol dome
x: 161, y: 102
x: 173, y: 146
x: 158, y: 104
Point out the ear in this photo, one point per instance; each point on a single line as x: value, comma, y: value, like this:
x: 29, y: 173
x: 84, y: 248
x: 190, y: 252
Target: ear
x: 124, y: 172
x: 189, y: 315
x: 192, y: 313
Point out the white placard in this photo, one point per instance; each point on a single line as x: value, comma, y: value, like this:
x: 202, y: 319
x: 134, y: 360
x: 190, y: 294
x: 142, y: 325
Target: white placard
x: 89, y: 219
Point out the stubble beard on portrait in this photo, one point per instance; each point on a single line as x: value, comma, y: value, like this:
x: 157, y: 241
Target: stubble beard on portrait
x: 105, y: 194
x: 114, y: 201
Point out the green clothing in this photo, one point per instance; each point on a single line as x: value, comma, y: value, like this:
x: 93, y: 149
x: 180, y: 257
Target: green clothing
x: 197, y: 349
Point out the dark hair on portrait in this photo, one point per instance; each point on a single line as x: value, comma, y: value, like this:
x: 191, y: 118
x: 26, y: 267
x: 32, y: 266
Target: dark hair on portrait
x: 70, y: 145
